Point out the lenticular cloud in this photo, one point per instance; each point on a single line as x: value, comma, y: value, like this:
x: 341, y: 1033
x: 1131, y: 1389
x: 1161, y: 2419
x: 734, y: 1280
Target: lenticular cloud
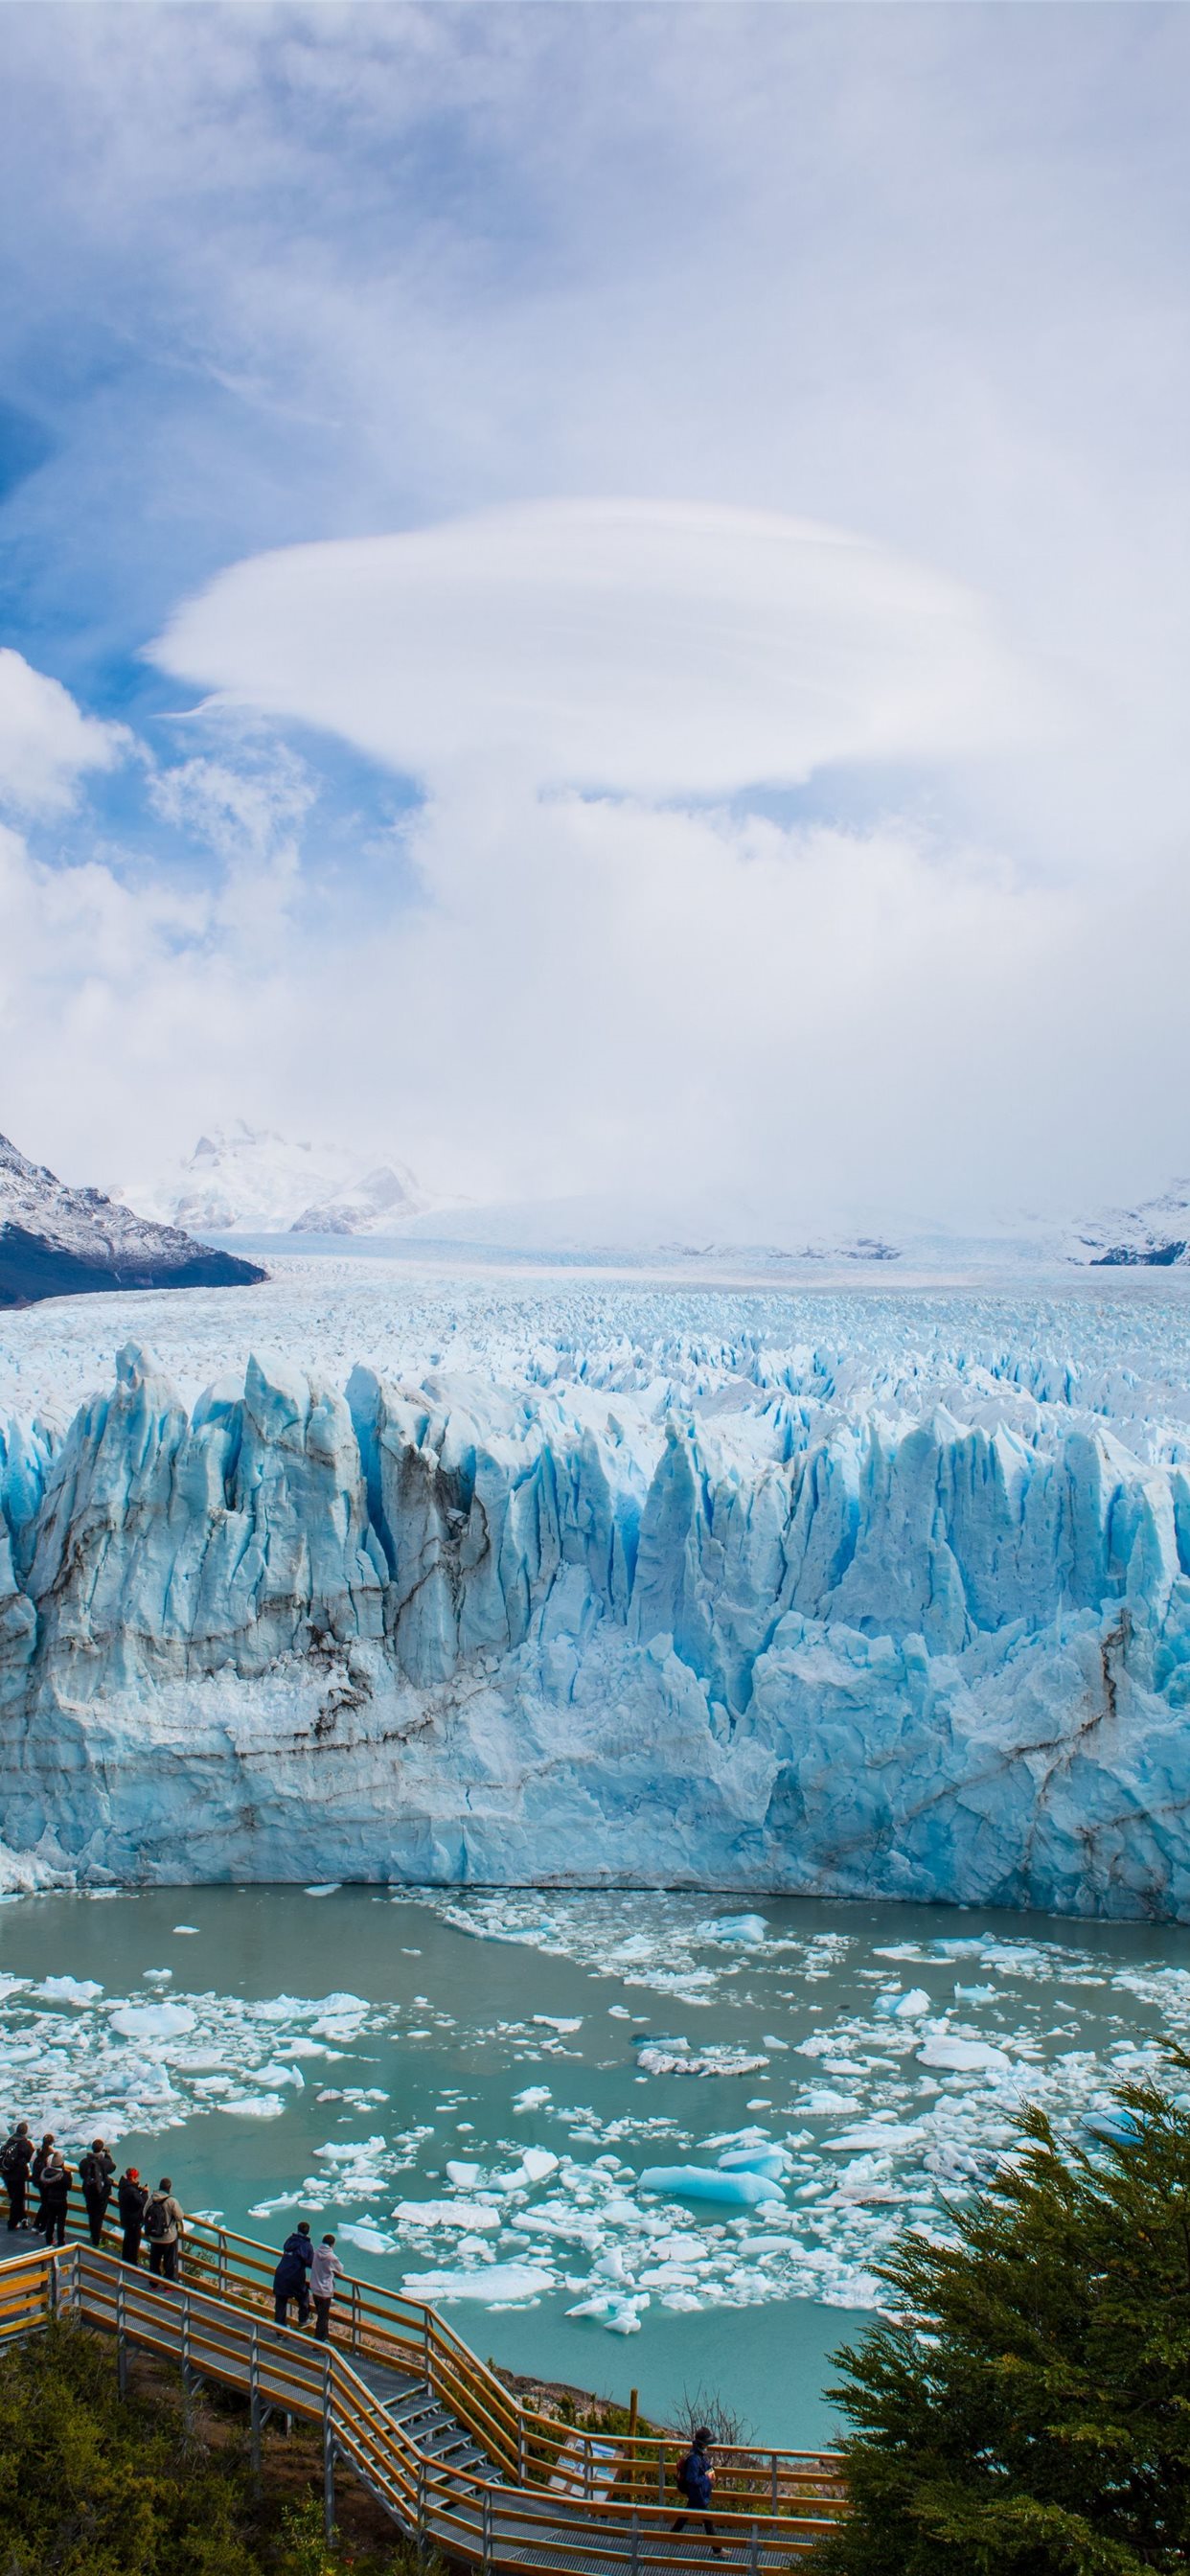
x: 658, y: 649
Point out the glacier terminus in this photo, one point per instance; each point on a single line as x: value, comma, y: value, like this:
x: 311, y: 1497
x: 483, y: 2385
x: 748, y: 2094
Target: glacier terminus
x: 856, y: 1597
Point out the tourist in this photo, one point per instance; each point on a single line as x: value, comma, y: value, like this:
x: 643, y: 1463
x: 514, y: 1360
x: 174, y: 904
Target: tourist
x: 696, y: 2477
x: 95, y: 2174
x: 291, y: 2279
x: 36, y: 2170
x: 131, y: 2195
x: 55, y: 2182
x: 165, y: 2226
x: 16, y: 2156
x: 325, y: 2270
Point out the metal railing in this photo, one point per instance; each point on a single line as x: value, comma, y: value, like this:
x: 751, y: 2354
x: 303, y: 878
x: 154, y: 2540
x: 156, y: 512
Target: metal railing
x: 552, y: 2488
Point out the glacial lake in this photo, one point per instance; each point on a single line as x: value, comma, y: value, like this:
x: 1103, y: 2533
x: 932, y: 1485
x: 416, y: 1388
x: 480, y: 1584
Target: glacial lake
x: 331, y: 2054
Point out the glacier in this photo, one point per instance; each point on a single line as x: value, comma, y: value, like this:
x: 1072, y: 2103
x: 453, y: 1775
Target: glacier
x: 739, y: 1613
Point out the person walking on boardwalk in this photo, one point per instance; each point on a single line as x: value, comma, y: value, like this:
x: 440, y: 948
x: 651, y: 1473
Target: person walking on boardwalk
x: 325, y: 2270
x: 291, y: 2280
x: 165, y: 2226
x: 56, y: 2179
x: 131, y: 2195
x: 95, y: 2174
x: 16, y: 2156
x: 696, y: 2477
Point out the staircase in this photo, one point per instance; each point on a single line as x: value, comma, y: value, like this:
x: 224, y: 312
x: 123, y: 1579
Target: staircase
x: 459, y: 2464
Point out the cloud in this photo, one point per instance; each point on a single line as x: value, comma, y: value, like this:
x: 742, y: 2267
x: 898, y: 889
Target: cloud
x: 46, y: 742
x: 660, y: 648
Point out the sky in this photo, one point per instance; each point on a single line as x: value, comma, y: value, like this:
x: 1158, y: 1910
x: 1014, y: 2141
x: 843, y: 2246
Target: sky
x: 596, y: 597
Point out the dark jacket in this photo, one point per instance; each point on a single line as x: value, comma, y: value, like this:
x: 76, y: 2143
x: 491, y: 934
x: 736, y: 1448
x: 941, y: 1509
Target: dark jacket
x: 297, y: 2254
x: 55, y: 2180
x: 18, y: 2156
x: 694, y: 2478
x: 39, y: 2157
x: 130, y: 2201
x: 95, y: 2174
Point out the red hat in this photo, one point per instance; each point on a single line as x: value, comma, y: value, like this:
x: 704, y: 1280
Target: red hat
x: 134, y: 2173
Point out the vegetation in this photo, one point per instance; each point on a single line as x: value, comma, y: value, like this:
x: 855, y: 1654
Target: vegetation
x: 1028, y: 2411
x: 91, y: 2485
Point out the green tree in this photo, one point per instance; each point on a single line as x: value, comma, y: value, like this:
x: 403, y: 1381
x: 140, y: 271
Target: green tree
x: 1026, y: 2409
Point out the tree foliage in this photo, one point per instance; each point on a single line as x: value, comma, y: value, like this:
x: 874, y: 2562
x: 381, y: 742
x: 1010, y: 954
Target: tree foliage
x: 92, y: 2485
x: 1025, y: 2410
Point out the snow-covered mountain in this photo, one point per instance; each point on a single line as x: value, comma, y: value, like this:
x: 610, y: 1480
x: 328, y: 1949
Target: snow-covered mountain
x: 1154, y: 1235
x: 56, y: 1241
x: 250, y: 1180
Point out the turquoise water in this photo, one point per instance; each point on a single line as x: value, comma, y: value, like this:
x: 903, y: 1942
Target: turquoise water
x: 281, y: 2053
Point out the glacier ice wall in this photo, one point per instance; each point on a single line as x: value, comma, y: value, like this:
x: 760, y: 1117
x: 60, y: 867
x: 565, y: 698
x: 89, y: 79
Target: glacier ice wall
x: 755, y: 1629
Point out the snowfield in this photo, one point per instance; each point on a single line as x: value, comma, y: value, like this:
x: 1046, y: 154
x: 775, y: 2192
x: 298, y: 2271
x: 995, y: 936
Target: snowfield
x: 365, y: 1573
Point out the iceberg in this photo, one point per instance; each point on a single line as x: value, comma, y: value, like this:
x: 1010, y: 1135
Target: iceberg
x: 706, y: 1613
x: 706, y: 2182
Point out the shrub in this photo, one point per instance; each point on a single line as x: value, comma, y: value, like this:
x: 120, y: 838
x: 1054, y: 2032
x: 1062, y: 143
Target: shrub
x: 1026, y: 2410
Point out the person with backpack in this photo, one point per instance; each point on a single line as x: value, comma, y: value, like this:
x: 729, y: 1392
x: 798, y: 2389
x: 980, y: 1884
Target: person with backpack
x: 37, y: 2168
x: 291, y: 2279
x: 325, y: 2270
x: 95, y: 2174
x: 56, y: 2179
x: 165, y: 2226
x: 131, y: 2196
x: 16, y: 2156
x: 696, y: 2477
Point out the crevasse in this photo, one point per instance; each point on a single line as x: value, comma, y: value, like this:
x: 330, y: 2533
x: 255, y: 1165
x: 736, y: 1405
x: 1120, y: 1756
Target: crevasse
x: 452, y: 1632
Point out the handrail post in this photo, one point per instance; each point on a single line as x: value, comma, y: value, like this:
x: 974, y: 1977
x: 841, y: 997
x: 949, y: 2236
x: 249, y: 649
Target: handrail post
x: 187, y: 2384
x: 221, y: 2263
x: 355, y: 2317
x: 421, y: 2504
x: 76, y: 2281
x: 121, y: 2337
x: 254, y: 2404
x: 486, y: 2539
x: 587, y: 2467
x: 774, y: 2481
x: 660, y: 2471
x: 634, y: 2545
x: 520, y: 2441
x: 328, y: 2454
x: 754, y: 2552
x: 53, y: 2285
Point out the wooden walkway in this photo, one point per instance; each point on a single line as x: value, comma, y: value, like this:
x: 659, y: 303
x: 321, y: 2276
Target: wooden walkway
x: 459, y: 2464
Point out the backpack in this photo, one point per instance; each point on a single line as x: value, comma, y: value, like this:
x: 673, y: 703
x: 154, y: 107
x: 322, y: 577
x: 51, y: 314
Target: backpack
x: 157, y: 2218
x: 682, y: 2473
x: 10, y: 2161
x: 90, y: 2175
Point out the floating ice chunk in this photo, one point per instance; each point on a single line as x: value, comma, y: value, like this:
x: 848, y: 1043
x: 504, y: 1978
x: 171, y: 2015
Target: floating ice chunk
x: 157, y: 1976
x: 1114, y: 2126
x: 253, y: 2106
x: 977, y: 1994
x: 748, y: 1928
x: 772, y: 2161
x: 902, y: 2007
x: 503, y: 2285
x: 537, y: 2163
x: 558, y: 2021
x: 186, y: 1928
x: 284, y: 2200
x: 370, y: 2240
x: 275, y: 2074
x: 463, y: 2176
x: 153, y: 2021
x: 624, y: 2319
x: 704, y: 2182
x: 11, y: 1986
x: 474, y: 2214
x: 964, y: 2056
x: 893, y: 2137
x: 532, y: 2099
x: 331, y: 1888
x: 67, y: 1990
x: 768, y: 2040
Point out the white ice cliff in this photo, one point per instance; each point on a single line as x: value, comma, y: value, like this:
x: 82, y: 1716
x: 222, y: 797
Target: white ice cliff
x: 770, y: 1635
